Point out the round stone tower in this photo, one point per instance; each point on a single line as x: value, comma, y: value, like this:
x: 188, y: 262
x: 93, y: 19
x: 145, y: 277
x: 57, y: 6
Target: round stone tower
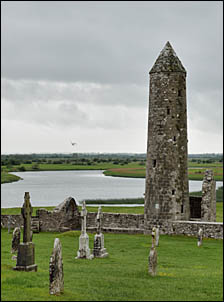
x: 166, y: 191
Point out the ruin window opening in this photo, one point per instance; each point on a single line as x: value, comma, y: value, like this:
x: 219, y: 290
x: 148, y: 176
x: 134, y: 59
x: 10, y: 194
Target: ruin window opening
x: 154, y: 163
x: 168, y: 111
x: 179, y: 92
x: 174, y: 138
x: 182, y: 208
x: 173, y: 192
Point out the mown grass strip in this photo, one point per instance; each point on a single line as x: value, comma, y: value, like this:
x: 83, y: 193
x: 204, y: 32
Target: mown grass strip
x: 184, y: 272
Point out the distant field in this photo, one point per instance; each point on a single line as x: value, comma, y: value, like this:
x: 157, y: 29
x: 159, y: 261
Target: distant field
x: 193, y: 174
x: 133, y: 169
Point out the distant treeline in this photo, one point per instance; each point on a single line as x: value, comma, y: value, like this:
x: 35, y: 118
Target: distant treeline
x: 89, y: 158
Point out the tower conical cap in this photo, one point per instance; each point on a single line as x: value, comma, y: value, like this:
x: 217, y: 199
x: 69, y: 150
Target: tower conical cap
x: 167, y: 61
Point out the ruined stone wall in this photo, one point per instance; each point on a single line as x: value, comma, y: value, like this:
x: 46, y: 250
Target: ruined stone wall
x: 57, y: 222
x: 123, y: 223
x: 208, y: 202
x: 117, y: 220
x: 15, y: 221
x: 190, y: 228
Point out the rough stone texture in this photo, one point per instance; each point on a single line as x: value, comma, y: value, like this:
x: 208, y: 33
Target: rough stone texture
x: 152, y: 261
x: 190, y: 228
x: 153, y: 237
x: 157, y: 236
x: 64, y: 217
x: 167, y: 193
x: 99, y: 250
x: 15, y: 242
x: 10, y: 223
x: 134, y: 224
x: 117, y: 220
x: 200, y: 236
x: 84, y: 251
x: 56, y: 273
x: 26, y: 255
x: 208, y: 202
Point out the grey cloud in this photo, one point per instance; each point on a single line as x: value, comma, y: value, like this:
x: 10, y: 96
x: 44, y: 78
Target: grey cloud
x: 78, y: 92
x: 112, y: 42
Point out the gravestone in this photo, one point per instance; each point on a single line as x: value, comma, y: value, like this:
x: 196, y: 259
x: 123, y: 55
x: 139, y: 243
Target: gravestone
x: 15, y: 242
x: 56, y: 274
x: 26, y: 255
x: 99, y: 250
x: 31, y: 236
x: 157, y: 236
x: 84, y: 251
x: 200, y: 236
x: 153, y: 255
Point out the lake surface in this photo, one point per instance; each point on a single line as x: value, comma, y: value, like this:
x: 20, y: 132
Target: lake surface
x: 49, y: 188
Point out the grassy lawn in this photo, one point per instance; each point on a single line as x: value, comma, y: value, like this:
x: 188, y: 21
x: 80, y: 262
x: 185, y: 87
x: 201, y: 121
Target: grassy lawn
x: 127, y: 210
x: 184, y: 272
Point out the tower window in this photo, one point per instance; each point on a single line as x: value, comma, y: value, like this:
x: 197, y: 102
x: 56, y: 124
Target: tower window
x: 179, y: 93
x: 182, y: 208
x: 174, y: 138
x: 154, y: 163
x: 173, y: 192
x: 168, y: 110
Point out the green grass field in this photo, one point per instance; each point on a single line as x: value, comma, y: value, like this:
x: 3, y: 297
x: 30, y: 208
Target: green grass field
x: 127, y: 210
x: 133, y: 169
x: 6, y: 177
x: 184, y: 271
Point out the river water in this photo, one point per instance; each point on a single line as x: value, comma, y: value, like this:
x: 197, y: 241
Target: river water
x: 49, y: 188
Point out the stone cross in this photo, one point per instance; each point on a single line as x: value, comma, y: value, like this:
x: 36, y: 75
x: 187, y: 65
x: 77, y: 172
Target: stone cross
x: 200, y: 236
x: 98, y: 220
x: 15, y: 242
x: 26, y: 213
x: 83, y: 216
x: 56, y: 274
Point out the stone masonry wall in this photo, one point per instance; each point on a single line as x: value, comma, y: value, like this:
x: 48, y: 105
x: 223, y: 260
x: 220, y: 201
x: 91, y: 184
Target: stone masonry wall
x: 122, y: 223
x: 208, y: 202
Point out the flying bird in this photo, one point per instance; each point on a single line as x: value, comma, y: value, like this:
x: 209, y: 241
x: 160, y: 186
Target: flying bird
x: 73, y: 144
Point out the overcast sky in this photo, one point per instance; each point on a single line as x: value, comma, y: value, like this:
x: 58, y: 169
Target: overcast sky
x: 79, y: 71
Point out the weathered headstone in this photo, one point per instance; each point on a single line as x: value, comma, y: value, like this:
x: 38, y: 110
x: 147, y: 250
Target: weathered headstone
x: 153, y: 255
x: 84, y: 251
x: 157, y: 236
x: 56, y: 274
x: 26, y: 256
x: 31, y: 236
x: 200, y: 236
x: 15, y: 242
x: 99, y: 250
